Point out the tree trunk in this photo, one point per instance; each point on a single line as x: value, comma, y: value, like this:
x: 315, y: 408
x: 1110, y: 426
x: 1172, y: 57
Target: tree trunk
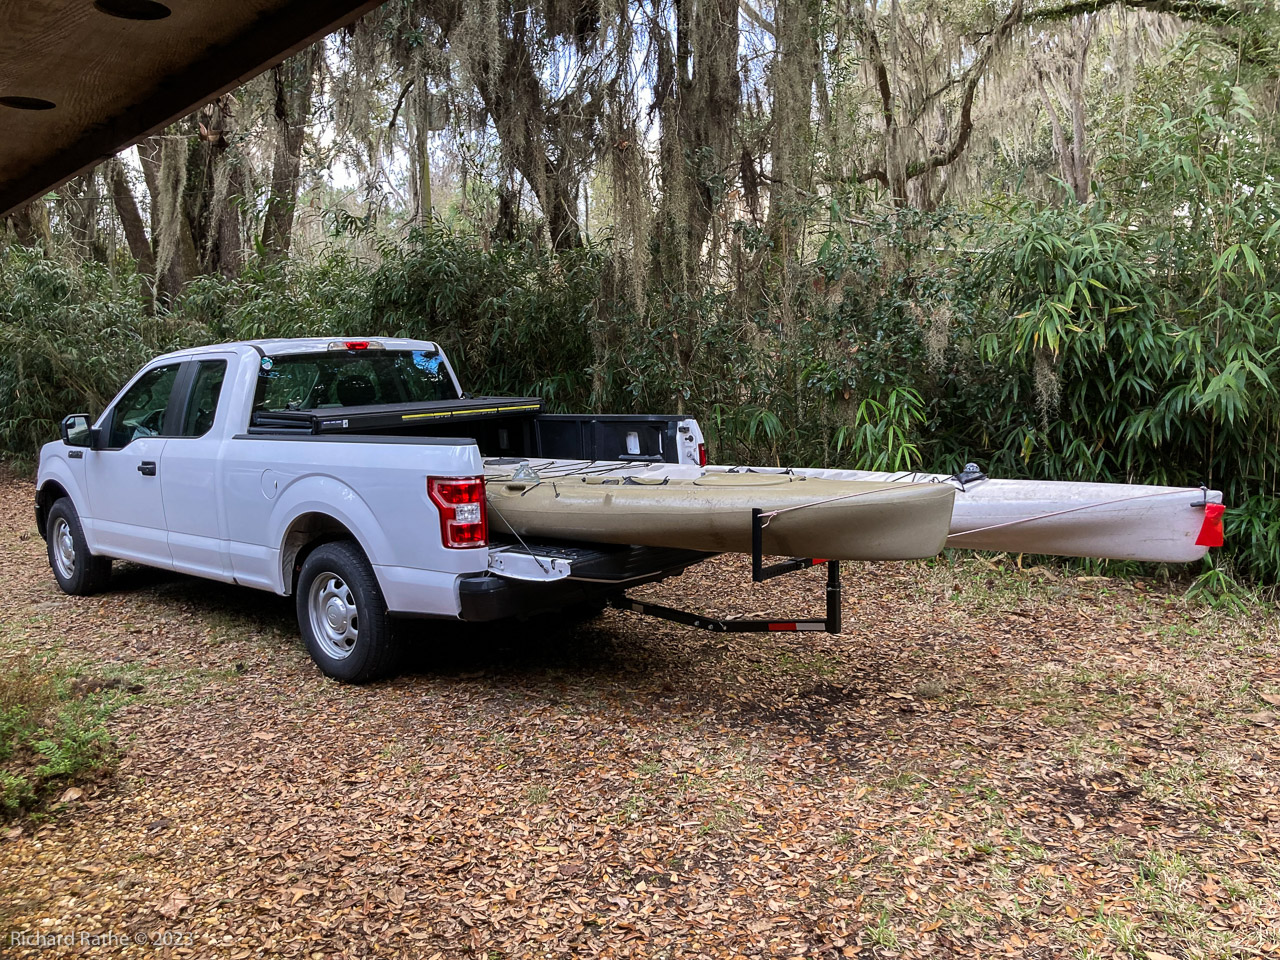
x: 795, y: 68
x: 1060, y: 147
x: 423, y: 144
x: 294, y: 85
x: 537, y: 138
x: 149, y: 160
x: 1073, y: 156
x: 215, y: 209
x: 80, y: 210
x: 513, y: 96
x: 1079, y: 148
x: 164, y: 168
x: 697, y: 100
x: 135, y: 232
x: 30, y: 224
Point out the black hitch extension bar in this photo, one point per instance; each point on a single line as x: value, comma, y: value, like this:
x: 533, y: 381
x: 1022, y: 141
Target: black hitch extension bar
x: 759, y: 573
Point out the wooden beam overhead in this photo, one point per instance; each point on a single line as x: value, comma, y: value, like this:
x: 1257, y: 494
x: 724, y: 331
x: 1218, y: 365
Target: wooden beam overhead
x: 80, y: 80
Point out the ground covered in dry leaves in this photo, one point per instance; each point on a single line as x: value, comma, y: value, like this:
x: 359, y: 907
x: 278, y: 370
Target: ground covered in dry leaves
x: 986, y: 762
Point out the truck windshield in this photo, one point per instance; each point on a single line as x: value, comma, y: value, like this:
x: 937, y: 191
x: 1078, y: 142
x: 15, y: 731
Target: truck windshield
x: 313, y: 381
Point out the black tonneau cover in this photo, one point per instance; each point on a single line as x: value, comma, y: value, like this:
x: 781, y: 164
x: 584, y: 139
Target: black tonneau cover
x: 384, y: 416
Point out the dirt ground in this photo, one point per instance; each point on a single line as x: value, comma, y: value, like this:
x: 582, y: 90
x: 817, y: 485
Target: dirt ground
x: 986, y: 762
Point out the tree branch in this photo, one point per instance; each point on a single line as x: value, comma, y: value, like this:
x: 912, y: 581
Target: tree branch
x: 756, y: 17
x: 975, y: 75
x: 878, y: 67
x: 404, y: 92
x: 1197, y: 11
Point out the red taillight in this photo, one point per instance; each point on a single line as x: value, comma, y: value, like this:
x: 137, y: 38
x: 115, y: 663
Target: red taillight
x: 702, y: 454
x: 357, y: 344
x: 1211, y: 534
x: 461, y: 504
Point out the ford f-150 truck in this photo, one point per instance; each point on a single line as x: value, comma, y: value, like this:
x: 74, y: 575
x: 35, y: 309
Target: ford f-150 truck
x: 346, y: 473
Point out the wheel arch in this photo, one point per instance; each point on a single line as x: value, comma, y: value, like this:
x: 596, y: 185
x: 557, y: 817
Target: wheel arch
x: 50, y: 492
x: 306, y: 532
x: 316, y: 509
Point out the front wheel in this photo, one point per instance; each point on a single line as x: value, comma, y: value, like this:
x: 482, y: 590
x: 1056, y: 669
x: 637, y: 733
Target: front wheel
x: 77, y: 571
x: 342, y: 615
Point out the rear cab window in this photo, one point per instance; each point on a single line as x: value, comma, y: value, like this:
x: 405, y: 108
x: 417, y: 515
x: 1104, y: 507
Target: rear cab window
x: 202, y: 403
x: 349, y: 378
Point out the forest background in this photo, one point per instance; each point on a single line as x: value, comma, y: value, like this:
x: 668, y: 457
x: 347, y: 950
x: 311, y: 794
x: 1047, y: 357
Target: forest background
x: 1040, y: 235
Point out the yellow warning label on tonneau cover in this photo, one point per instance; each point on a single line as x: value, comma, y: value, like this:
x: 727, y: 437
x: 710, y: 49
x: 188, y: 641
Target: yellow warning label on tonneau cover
x: 464, y: 413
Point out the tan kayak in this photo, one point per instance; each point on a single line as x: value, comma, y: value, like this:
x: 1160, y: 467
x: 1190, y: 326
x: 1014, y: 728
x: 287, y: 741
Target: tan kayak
x: 827, y: 519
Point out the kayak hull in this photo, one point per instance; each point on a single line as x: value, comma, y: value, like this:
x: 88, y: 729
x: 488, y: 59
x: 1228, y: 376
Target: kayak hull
x: 1111, y: 521
x: 815, y: 517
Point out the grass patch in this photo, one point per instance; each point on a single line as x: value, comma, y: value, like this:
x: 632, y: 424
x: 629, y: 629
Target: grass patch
x: 537, y: 795
x: 52, y: 733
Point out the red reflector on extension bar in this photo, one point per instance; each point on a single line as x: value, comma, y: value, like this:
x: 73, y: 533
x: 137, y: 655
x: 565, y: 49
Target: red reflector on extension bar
x: 782, y: 627
x: 1211, y: 534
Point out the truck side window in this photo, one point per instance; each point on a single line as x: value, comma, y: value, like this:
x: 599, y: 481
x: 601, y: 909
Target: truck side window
x: 204, y: 398
x: 140, y: 412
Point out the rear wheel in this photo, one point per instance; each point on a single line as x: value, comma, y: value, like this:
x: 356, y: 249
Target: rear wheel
x: 342, y: 615
x: 77, y: 571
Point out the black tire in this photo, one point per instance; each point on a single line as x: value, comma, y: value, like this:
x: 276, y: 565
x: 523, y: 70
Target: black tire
x: 77, y: 571
x: 349, y: 635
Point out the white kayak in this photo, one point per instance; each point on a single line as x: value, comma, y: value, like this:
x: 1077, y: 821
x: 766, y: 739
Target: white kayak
x: 1112, y: 521
x: 712, y: 512
x: 1115, y: 521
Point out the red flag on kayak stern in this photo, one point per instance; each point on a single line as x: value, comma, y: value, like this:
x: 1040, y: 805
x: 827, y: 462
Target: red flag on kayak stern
x: 1211, y: 529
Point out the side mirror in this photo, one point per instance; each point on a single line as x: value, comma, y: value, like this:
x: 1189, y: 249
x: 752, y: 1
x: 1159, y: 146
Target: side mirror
x: 76, y: 431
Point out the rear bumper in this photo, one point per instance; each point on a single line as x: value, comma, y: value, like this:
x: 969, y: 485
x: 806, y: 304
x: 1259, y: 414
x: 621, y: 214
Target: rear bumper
x: 418, y: 593
x: 486, y: 598
x: 597, y: 572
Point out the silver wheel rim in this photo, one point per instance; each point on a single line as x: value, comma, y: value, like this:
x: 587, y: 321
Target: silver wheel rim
x: 64, y: 548
x: 334, y: 618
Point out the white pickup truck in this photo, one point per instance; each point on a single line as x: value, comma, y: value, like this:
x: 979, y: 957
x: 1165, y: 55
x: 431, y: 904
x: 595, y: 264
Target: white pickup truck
x: 347, y: 473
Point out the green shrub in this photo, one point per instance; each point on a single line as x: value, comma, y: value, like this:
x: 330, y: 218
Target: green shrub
x: 49, y: 738
x: 1133, y: 351
x: 69, y: 337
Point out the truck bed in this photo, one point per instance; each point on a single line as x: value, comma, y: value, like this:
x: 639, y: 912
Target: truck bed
x: 500, y: 427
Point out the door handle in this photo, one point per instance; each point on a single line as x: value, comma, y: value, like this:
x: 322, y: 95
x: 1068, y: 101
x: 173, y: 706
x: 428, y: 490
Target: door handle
x: 147, y: 468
